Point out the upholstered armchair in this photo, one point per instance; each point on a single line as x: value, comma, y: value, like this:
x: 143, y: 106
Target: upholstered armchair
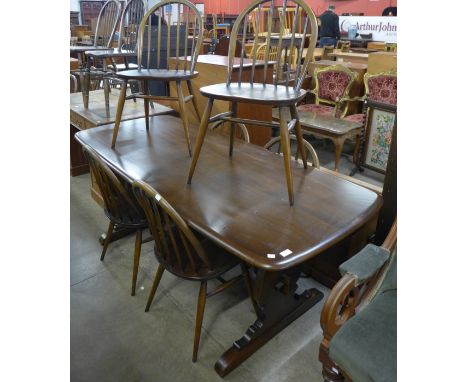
x: 332, y: 85
x: 359, y: 318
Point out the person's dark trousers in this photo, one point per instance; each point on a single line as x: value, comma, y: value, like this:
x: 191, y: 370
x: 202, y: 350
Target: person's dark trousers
x: 327, y: 41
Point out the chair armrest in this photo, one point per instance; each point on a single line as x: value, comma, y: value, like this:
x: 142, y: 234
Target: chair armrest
x: 366, y: 263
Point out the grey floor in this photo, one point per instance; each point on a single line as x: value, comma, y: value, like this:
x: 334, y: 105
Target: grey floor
x: 113, y: 339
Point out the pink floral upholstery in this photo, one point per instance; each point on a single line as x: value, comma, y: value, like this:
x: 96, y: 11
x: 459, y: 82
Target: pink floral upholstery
x: 359, y: 118
x: 383, y: 89
x: 332, y: 84
x: 319, y: 109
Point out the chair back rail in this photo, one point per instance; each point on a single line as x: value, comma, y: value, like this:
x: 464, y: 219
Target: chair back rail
x: 176, y: 246
x: 107, y: 23
x: 130, y: 24
x: 186, y: 15
x: 290, y: 67
x: 117, y: 195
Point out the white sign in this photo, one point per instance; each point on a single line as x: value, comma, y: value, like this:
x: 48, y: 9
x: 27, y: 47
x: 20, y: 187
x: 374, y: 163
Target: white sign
x: 383, y: 28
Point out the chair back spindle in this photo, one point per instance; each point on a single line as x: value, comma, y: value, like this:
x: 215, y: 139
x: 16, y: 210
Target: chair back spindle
x: 176, y: 246
x: 180, y: 15
x: 107, y: 24
x: 297, y: 30
x: 130, y: 23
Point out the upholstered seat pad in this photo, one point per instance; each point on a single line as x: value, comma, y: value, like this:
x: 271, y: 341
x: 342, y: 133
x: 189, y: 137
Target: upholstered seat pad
x: 157, y: 74
x: 319, y: 109
x: 365, y: 348
x: 255, y: 93
x: 359, y: 118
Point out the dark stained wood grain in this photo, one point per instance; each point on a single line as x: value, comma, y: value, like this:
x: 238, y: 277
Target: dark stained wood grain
x: 240, y: 203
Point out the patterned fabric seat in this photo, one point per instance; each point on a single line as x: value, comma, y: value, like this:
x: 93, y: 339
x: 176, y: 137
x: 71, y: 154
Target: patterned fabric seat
x: 383, y: 89
x: 359, y: 118
x: 319, y: 109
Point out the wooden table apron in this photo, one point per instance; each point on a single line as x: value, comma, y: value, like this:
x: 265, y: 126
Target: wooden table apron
x: 237, y: 202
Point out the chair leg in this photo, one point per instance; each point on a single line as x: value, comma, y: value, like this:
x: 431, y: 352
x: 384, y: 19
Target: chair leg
x: 106, y: 96
x: 199, y: 320
x: 299, y: 137
x: 110, y: 229
x: 85, y: 84
x: 157, y: 279
x: 136, y: 260
x: 146, y: 101
x: 118, y: 115
x: 286, y: 148
x: 184, y: 116
x: 200, y: 137
x: 194, y: 102
x: 232, y: 128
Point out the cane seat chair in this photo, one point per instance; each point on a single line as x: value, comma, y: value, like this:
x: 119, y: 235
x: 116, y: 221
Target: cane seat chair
x: 184, y: 253
x: 120, y: 206
x: 184, y: 69
x: 103, y: 38
x: 128, y: 32
x: 284, y: 92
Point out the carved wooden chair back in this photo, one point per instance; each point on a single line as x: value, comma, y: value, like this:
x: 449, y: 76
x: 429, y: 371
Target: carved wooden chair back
x: 119, y: 201
x: 107, y: 24
x: 185, y: 10
x: 332, y: 83
x: 381, y: 87
x: 261, y: 52
x: 290, y: 72
x: 176, y: 246
x: 130, y: 24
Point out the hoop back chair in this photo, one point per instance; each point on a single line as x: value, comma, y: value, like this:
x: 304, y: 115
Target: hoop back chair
x: 285, y: 91
x: 183, y: 253
x: 184, y: 68
x: 103, y: 37
x: 120, y: 206
x: 130, y: 20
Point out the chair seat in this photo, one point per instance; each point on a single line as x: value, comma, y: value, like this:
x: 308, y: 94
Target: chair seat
x: 359, y: 118
x: 256, y: 93
x: 319, y: 109
x: 365, y: 348
x: 157, y: 74
x: 111, y: 52
x: 121, y: 67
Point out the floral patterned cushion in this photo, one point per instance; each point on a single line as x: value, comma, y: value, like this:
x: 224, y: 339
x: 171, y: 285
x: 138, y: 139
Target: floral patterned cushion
x: 332, y: 84
x: 383, y: 89
x: 359, y: 118
x: 319, y: 109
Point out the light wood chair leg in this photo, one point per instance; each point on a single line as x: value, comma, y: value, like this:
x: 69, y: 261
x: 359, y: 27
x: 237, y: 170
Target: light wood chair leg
x: 184, y: 116
x: 199, y: 319
x: 200, y: 137
x: 110, y: 229
x: 146, y: 101
x: 232, y: 128
x: 118, y: 115
x: 106, y: 96
x: 157, y: 279
x: 299, y: 137
x: 136, y: 260
x: 286, y: 148
x: 194, y: 102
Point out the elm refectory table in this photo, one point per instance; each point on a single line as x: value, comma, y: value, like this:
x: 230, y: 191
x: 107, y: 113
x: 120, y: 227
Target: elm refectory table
x: 241, y: 205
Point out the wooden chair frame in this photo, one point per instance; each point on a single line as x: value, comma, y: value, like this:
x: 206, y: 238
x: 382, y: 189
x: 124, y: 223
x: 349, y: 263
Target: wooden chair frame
x: 182, y: 72
x: 182, y: 256
x: 347, y: 298
x: 345, y: 96
x: 285, y: 78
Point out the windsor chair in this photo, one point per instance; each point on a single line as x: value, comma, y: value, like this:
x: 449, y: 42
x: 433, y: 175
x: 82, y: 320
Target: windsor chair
x: 103, y: 37
x: 185, y: 254
x: 120, y: 206
x: 128, y: 32
x: 154, y: 70
x: 285, y: 91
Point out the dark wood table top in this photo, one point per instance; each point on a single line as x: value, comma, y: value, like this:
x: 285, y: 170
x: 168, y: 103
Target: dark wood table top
x: 240, y: 202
